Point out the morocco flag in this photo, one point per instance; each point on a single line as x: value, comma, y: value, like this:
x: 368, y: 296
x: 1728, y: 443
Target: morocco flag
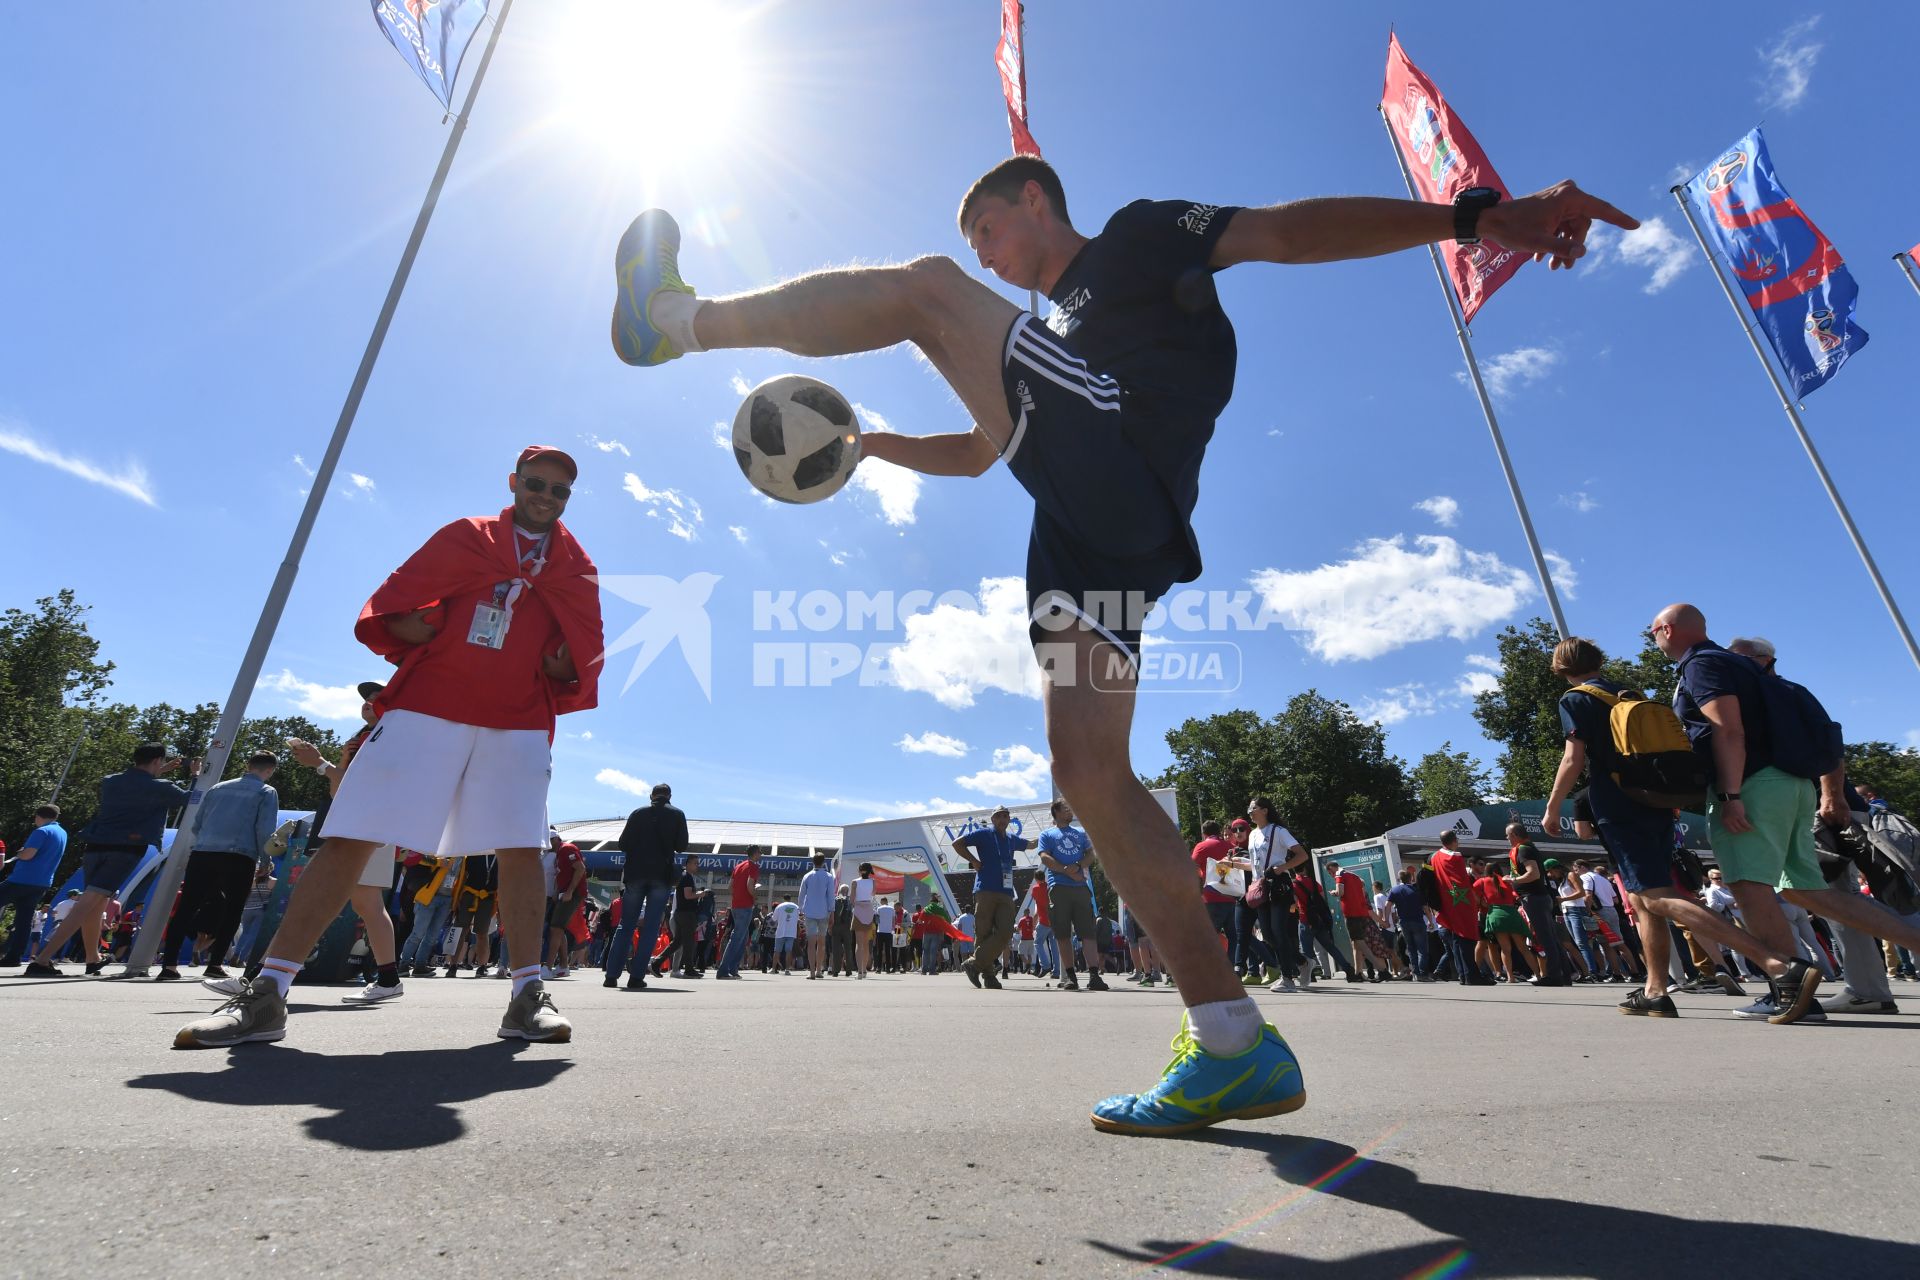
x: 1444, y: 160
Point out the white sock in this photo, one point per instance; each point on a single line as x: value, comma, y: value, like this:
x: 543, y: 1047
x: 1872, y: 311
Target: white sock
x: 1228, y: 1027
x: 279, y: 972
x: 521, y: 977
x: 672, y: 312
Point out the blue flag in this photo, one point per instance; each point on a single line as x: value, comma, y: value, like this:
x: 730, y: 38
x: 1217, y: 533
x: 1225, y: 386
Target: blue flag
x: 432, y: 35
x: 1799, y: 288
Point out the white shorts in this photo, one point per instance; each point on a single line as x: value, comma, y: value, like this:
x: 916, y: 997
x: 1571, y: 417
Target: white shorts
x: 445, y: 788
x: 379, y: 869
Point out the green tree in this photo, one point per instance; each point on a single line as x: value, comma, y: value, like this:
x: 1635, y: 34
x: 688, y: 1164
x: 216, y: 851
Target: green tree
x: 1892, y: 771
x: 49, y: 671
x: 1446, y: 780
x: 1326, y: 770
x: 1522, y: 712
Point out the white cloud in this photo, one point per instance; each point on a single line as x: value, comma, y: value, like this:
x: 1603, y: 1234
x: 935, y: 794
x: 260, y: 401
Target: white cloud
x: 321, y: 701
x: 622, y: 782
x: 1511, y: 370
x: 1387, y: 596
x: 955, y: 653
x: 839, y: 558
x: 1913, y: 739
x: 679, y: 512
x: 1444, y: 510
x: 896, y: 488
x: 879, y: 810
x: 1017, y: 773
x: 723, y: 436
x: 358, y: 486
x: 1788, y: 65
x: 933, y: 744
x: 1682, y: 172
x: 610, y: 446
x: 1474, y: 683
x: 586, y: 735
x: 739, y: 383
x: 1401, y: 702
x: 739, y: 533
x: 1580, y: 500
x: 1659, y: 249
x: 1565, y: 578
x: 130, y: 480
x: 301, y: 463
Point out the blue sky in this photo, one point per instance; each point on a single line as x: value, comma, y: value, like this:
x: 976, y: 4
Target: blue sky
x: 203, y: 217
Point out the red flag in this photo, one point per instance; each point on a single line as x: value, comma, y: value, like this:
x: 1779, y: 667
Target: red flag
x: 1012, y: 60
x: 1443, y: 159
x: 1913, y: 254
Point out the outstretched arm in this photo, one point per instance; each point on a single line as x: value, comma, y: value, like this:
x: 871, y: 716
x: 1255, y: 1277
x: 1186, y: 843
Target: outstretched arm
x: 1547, y: 224
x: 960, y: 453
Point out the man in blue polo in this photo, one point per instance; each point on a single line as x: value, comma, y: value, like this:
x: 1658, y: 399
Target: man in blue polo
x: 1064, y: 850
x: 989, y: 851
x: 30, y: 877
x: 132, y: 818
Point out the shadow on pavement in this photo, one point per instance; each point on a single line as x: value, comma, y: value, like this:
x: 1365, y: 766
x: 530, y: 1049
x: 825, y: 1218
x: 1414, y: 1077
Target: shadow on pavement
x: 398, y: 1101
x: 1496, y: 1233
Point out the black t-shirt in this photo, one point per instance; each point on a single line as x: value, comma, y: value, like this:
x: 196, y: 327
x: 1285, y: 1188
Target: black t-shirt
x: 688, y: 885
x: 1707, y: 672
x: 1517, y: 859
x: 1137, y: 303
x: 650, y: 840
x: 1587, y: 718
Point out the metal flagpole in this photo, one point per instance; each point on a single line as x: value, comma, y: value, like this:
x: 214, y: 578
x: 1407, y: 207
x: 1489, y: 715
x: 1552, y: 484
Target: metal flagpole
x: 72, y: 755
x: 167, y: 883
x: 1486, y: 403
x: 1906, y: 264
x: 1800, y: 428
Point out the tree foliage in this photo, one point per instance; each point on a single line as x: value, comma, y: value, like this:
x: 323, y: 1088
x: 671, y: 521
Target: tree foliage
x: 1446, y: 780
x: 1326, y: 770
x: 1521, y: 712
x: 1892, y: 771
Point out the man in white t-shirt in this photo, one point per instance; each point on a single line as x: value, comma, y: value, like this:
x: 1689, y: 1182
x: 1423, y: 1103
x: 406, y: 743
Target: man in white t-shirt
x: 883, y: 929
x: 1606, y: 902
x: 786, y: 923
x: 816, y: 905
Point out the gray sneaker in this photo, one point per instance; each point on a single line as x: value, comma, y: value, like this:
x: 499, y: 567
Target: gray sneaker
x: 1848, y: 1002
x: 531, y: 1016
x: 257, y: 1013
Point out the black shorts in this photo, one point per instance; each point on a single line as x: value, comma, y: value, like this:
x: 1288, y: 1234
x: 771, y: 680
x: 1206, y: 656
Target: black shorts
x: 1108, y: 539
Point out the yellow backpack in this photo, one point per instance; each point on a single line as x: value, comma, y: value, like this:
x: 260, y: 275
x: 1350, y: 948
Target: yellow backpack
x: 1653, y: 761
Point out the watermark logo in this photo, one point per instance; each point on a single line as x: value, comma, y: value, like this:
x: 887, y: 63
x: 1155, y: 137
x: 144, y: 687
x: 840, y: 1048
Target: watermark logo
x: 676, y: 611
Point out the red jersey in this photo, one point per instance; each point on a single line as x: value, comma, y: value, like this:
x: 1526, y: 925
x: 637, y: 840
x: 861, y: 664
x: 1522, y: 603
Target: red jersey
x: 1041, y: 903
x: 1216, y: 848
x: 566, y: 860
x: 1353, y: 896
x: 744, y: 876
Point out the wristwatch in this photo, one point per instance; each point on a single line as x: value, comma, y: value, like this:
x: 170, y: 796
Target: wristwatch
x: 1467, y: 207
x: 1724, y: 796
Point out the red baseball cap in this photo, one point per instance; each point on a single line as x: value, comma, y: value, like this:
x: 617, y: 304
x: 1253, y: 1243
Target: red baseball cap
x: 561, y: 456
x: 1240, y: 824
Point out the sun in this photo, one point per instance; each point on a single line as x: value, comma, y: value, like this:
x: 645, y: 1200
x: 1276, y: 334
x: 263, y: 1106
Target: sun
x: 661, y: 85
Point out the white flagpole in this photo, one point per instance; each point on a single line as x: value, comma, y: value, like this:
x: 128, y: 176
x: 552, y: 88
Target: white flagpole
x: 1906, y: 264
x: 1799, y: 427
x: 1486, y: 403
x: 174, y: 867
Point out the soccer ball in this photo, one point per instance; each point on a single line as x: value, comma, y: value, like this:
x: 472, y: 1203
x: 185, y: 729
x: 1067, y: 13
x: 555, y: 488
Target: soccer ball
x: 796, y: 439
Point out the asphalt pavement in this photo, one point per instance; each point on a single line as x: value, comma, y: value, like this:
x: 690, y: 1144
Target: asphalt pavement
x: 907, y: 1126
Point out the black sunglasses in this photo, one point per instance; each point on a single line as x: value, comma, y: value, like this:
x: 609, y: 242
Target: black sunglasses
x: 534, y: 484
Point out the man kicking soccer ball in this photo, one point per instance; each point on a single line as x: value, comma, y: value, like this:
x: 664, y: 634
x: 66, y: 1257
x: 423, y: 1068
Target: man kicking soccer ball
x: 1103, y: 414
x: 486, y: 620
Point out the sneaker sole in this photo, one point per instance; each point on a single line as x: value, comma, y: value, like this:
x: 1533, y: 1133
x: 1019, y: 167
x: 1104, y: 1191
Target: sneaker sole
x: 1803, y: 999
x: 186, y: 1039
x: 627, y: 258
x: 1649, y: 1013
x: 1263, y: 1112
x: 561, y: 1036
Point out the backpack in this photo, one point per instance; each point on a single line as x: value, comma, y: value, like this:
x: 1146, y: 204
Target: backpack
x: 1806, y: 741
x: 1654, y: 762
x: 1882, y: 855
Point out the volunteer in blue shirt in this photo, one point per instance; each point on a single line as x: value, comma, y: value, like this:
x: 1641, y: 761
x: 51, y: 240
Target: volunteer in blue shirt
x: 230, y: 833
x: 30, y: 877
x: 989, y: 851
x: 1064, y: 852
x: 131, y: 819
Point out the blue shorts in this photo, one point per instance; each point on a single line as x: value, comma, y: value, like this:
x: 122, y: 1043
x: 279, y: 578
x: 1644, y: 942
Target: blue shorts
x: 1108, y: 538
x: 1640, y: 842
x: 107, y: 869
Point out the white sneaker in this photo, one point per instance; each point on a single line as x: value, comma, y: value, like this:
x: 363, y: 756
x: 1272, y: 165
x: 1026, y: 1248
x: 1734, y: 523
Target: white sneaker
x: 546, y: 973
x: 1759, y: 1011
x: 373, y: 993
x: 1848, y: 1002
x: 225, y: 986
x: 1284, y: 985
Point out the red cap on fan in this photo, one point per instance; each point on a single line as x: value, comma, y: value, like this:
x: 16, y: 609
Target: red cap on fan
x: 561, y: 456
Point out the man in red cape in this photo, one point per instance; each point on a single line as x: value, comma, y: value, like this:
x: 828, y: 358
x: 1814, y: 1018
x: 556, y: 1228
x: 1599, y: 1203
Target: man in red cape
x: 495, y: 626
x: 1456, y: 907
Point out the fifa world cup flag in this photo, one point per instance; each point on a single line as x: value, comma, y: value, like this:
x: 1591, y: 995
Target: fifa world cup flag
x: 1444, y: 160
x: 1012, y: 59
x: 1794, y: 279
x: 432, y: 36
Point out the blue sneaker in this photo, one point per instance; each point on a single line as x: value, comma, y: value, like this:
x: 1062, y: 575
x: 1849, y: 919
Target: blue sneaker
x: 646, y: 262
x: 1200, y: 1088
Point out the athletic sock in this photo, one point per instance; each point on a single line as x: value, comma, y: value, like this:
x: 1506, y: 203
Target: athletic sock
x: 388, y: 975
x: 279, y: 972
x: 672, y: 312
x: 522, y: 976
x: 1226, y: 1027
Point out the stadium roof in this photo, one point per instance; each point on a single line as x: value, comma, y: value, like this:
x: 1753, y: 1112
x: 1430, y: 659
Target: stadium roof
x: 717, y: 835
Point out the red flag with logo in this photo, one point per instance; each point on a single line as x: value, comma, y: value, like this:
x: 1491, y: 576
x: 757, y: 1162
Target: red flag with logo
x: 1011, y: 56
x: 1913, y: 254
x: 1444, y: 160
